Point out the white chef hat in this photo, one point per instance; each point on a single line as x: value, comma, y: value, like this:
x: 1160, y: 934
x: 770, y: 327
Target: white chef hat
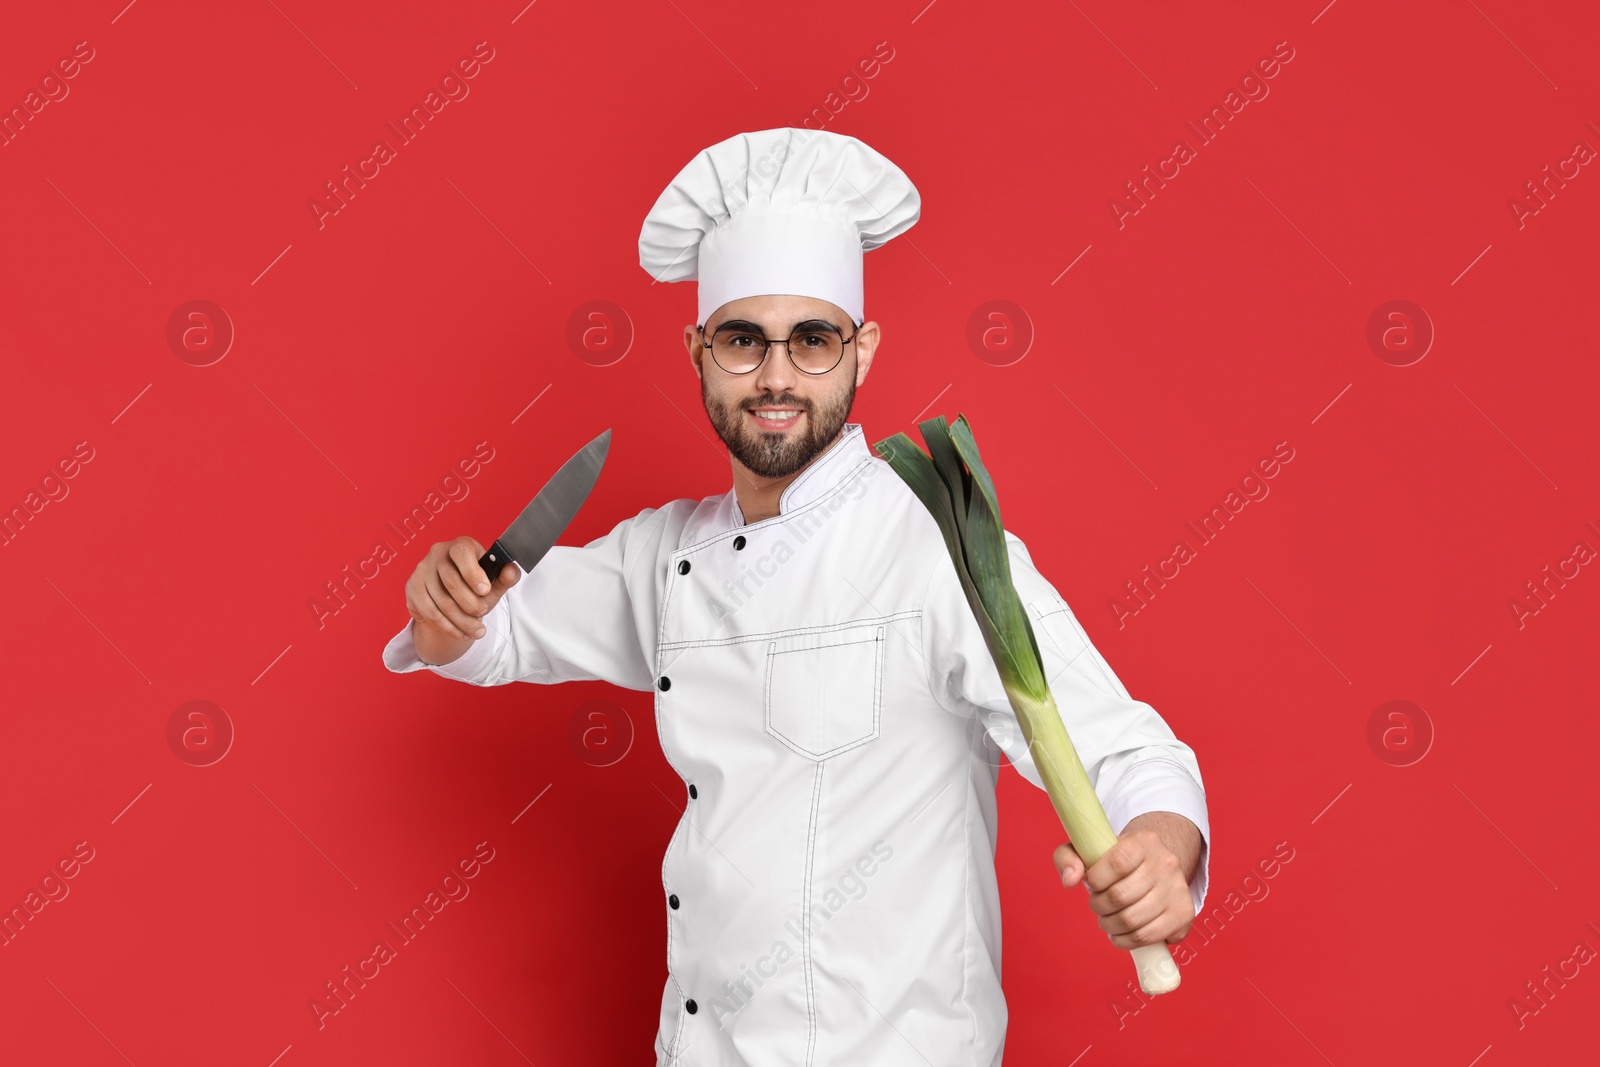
x: 782, y: 211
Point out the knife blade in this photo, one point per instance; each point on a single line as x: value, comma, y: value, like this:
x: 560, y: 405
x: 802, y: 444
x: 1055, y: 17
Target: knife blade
x: 532, y: 533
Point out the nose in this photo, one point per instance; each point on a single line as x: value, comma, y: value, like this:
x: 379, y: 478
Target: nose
x: 776, y: 372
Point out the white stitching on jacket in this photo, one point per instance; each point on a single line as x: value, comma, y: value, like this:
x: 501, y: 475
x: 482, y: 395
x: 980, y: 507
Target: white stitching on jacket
x: 811, y: 841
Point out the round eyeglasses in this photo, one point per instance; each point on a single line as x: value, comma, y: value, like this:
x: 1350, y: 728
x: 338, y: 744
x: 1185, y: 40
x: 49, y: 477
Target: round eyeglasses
x: 815, y: 347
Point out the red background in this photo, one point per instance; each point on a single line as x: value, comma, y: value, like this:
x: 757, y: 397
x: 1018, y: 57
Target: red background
x: 375, y: 351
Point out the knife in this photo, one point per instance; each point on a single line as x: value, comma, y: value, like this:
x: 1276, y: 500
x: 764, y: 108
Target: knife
x: 532, y: 533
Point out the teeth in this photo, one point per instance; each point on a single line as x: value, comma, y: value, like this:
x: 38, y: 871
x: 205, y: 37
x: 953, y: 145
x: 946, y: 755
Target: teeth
x: 776, y: 416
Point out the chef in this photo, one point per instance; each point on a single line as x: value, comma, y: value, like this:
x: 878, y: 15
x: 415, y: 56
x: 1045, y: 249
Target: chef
x: 820, y: 682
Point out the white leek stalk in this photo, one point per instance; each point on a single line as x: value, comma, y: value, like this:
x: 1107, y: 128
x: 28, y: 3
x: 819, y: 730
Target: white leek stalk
x: 952, y: 483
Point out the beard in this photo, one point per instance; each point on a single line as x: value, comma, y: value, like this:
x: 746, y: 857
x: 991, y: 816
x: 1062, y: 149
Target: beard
x: 779, y: 453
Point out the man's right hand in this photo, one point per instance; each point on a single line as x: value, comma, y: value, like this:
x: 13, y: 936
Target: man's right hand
x: 448, y: 594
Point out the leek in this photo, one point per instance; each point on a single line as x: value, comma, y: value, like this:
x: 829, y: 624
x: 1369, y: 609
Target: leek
x: 951, y: 481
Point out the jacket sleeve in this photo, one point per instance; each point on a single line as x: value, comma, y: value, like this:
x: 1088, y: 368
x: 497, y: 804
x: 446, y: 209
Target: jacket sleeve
x: 1134, y: 761
x: 581, y: 614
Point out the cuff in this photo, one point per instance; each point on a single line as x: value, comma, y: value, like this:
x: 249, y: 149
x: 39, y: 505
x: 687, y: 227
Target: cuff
x: 400, y: 656
x: 1158, y: 785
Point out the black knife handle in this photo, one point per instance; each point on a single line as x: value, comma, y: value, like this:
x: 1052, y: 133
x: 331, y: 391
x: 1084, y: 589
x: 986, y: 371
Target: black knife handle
x: 493, y: 560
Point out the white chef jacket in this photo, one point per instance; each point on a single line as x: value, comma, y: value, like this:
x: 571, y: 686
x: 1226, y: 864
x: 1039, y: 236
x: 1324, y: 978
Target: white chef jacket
x: 823, y: 689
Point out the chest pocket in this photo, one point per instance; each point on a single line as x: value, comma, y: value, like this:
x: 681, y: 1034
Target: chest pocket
x: 822, y: 693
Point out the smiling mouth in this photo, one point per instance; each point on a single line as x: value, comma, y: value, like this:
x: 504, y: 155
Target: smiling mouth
x: 776, y: 418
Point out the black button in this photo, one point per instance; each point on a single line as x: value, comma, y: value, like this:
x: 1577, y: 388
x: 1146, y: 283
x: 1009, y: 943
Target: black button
x: 683, y: 566
x: 664, y: 683
x: 693, y: 792
x: 673, y: 900
x: 738, y: 542
x: 691, y: 1007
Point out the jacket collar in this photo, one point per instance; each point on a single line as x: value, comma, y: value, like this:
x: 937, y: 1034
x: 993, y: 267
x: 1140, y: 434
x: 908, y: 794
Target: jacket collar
x: 827, y: 470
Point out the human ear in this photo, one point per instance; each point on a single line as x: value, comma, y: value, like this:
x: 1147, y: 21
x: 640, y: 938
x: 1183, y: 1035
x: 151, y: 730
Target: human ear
x: 691, y: 341
x: 867, y: 337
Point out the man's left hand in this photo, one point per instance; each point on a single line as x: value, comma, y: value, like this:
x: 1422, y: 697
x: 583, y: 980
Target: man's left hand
x: 1139, y: 888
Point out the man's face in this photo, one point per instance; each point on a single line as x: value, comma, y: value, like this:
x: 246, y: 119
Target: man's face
x: 776, y: 449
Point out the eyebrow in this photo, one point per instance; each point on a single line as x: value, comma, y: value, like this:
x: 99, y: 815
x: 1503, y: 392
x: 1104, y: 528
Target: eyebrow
x: 747, y: 324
